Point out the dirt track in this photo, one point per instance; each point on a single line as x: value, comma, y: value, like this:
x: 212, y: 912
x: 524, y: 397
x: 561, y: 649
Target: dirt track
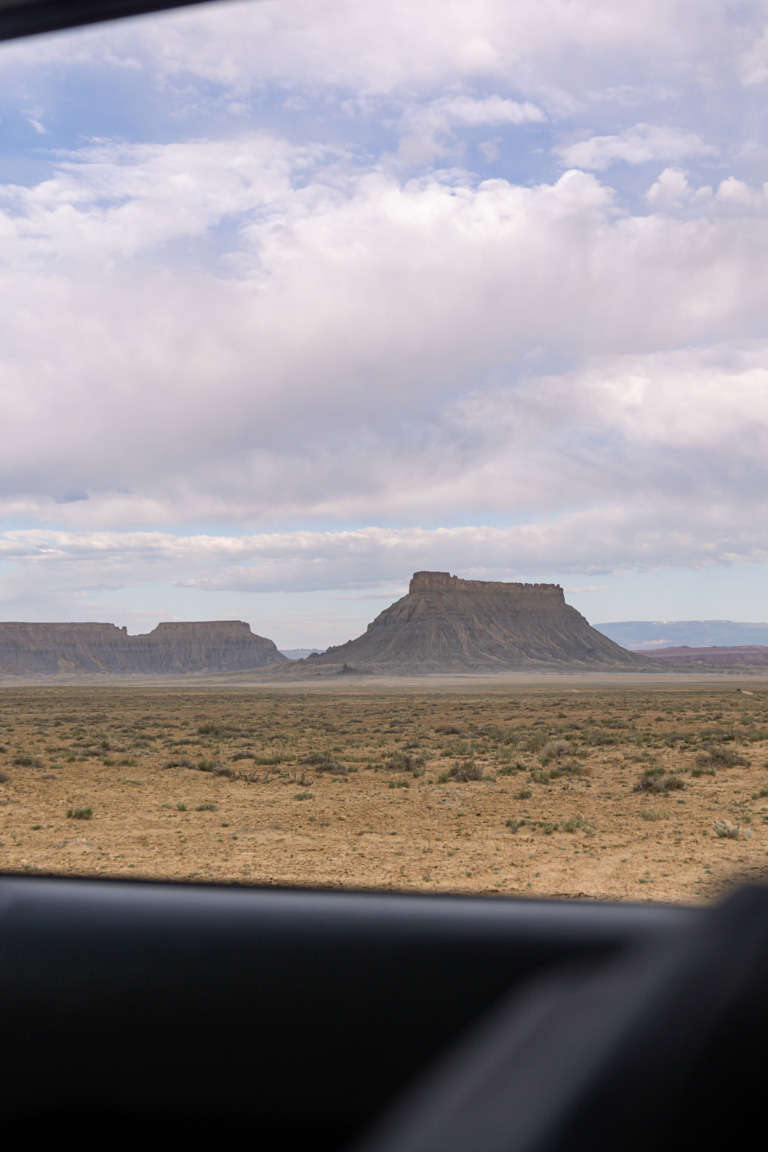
x: 230, y: 785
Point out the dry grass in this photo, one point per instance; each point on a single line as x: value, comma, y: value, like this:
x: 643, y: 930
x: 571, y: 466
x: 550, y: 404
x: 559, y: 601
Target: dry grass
x: 623, y: 792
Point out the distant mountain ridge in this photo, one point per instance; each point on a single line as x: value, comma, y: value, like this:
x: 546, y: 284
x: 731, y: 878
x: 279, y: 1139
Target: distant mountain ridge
x: 446, y: 624
x: 652, y: 634
x: 173, y: 648
x: 744, y: 656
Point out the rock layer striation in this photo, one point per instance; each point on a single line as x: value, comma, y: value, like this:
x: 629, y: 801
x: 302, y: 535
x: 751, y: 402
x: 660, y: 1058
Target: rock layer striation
x: 446, y: 624
x: 172, y: 648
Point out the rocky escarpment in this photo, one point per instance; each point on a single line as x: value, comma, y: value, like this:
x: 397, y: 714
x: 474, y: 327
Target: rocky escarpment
x: 445, y: 624
x: 735, y: 656
x: 173, y: 648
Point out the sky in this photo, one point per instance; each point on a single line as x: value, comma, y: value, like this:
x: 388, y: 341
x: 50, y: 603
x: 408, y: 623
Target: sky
x: 300, y: 296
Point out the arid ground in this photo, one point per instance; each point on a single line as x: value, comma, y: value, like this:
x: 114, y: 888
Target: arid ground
x: 577, y: 789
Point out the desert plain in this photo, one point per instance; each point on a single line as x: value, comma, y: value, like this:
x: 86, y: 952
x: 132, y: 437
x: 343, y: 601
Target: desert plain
x: 570, y: 787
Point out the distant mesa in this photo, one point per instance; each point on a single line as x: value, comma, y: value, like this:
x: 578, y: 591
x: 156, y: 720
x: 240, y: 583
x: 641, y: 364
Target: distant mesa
x: 299, y: 653
x: 446, y: 624
x: 650, y: 635
x: 170, y: 649
x: 734, y: 656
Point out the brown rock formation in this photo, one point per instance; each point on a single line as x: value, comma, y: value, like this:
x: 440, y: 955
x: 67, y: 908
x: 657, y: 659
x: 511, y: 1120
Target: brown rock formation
x: 445, y: 624
x: 213, y: 646
x: 735, y: 656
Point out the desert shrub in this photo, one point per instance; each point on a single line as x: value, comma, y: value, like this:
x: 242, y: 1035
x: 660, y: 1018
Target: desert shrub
x: 207, y: 808
x: 459, y: 749
x: 719, y: 734
x: 601, y: 739
x: 573, y: 824
x: 448, y: 730
x: 183, y: 763
x: 24, y: 761
x: 181, y: 807
x: 209, y: 729
x: 523, y: 794
x: 399, y: 784
x: 720, y: 757
x: 403, y: 762
x: 725, y: 830
x: 554, y: 749
x: 225, y: 770
x: 461, y: 773
x: 303, y: 796
x: 204, y: 765
x: 540, y: 777
x: 568, y: 768
x: 321, y: 762
x: 536, y: 742
x: 80, y: 813
x: 651, y: 814
x: 657, y: 780
x: 467, y: 771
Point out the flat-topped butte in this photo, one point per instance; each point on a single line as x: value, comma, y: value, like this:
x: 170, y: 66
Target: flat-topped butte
x: 446, y: 624
x: 171, y: 648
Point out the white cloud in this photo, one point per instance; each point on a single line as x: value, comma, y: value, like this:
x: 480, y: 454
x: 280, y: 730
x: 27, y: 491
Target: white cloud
x: 635, y: 145
x: 669, y: 190
x: 378, y: 46
x: 262, y: 330
x: 330, y: 362
x: 490, y: 149
x: 428, y: 128
x: 491, y: 110
x: 588, y: 542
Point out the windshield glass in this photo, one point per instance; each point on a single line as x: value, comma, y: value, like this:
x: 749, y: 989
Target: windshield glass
x: 309, y: 308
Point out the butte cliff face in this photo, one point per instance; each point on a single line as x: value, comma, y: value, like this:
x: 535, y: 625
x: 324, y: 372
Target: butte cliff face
x: 445, y: 624
x: 213, y: 646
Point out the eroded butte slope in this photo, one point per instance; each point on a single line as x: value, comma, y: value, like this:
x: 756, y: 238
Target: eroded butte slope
x: 172, y: 648
x: 446, y: 624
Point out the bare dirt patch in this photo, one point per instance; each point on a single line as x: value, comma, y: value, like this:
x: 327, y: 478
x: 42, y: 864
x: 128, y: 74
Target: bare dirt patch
x: 626, y: 792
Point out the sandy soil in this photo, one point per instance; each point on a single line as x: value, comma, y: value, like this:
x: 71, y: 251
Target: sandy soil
x: 356, y: 785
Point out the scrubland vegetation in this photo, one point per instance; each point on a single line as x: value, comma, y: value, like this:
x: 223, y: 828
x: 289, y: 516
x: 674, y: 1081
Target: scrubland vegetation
x: 632, y: 793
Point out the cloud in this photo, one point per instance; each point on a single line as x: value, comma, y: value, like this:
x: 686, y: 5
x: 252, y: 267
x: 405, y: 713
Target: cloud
x: 429, y: 128
x: 280, y: 299
x: 614, y: 538
x: 491, y: 110
x: 383, y: 47
x: 638, y: 145
x: 248, y: 331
